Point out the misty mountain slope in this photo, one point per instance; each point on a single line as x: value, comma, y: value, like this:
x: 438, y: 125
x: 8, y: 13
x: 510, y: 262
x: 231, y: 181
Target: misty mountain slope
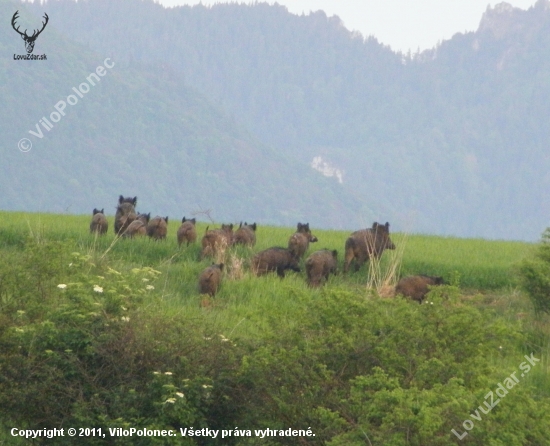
x: 303, y: 83
x: 275, y: 70
x: 449, y: 141
x: 140, y: 132
x: 494, y: 89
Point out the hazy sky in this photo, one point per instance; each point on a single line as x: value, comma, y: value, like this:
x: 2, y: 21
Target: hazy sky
x: 402, y: 24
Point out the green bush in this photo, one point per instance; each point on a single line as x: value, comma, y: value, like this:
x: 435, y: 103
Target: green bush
x: 534, y: 275
x: 88, y: 341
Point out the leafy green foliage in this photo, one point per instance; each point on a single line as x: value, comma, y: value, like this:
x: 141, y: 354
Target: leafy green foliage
x: 108, y: 333
x: 535, y: 275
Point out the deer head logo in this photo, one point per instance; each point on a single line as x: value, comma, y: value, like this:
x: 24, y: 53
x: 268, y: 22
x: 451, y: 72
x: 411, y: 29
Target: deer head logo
x: 29, y: 40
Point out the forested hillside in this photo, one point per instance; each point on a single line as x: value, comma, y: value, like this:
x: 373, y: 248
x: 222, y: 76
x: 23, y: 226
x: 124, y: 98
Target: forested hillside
x: 449, y: 141
x: 139, y: 132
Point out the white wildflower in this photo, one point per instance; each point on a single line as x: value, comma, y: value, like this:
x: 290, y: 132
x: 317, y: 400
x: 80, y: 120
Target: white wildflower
x: 170, y: 400
x: 149, y: 287
x: 62, y: 286
x: 125, y: 319
x: 168, y: 373
x: 98, y: 289
x: 181, y: 395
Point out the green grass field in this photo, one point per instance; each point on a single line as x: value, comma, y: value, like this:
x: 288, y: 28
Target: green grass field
x: 260, y: 313
x: 478, y: 264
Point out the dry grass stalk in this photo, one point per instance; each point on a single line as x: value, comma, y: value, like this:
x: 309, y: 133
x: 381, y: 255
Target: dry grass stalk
x: 383, y: 276
x: 235, y: 267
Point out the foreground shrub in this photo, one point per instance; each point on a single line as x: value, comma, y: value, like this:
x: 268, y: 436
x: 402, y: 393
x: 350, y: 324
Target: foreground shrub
x: 86, y: 344
x: 74, y: 350
x: 535, y: 275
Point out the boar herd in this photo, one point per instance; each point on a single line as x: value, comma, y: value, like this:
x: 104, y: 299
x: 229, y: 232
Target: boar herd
x: 360, y: 246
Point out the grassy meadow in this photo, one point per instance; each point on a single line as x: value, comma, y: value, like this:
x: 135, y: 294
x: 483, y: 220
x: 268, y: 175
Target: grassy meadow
x: 341, y: 335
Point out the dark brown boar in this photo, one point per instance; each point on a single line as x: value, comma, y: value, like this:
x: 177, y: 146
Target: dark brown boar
x: 416, y: 287
x: 245, y: 235
x: 210, y: 279
x: 187, y: 232
x: 216, y: 239
x: 138, y: 226
x: 274, y: 259
x: 367, y: 243
x: 319, y: 265
x: 99, y: 222
x: 300, y: 240
x: 125, y: 213
x: 157, y: 228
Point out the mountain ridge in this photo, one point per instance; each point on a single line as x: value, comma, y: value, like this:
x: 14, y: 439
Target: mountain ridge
x: 452, y: 139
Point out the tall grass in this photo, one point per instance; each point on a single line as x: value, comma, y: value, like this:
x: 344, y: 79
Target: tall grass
x: 479, y: 264
x: 257, y: 308
x: 384, y: 275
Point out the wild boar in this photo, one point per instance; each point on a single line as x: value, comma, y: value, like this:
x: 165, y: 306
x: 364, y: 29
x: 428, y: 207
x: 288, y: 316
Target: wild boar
x: 367, y: 243
x: 210, y: 279
x: 274, y: 259
x: 157, y: 228
x: 416, y: 287
x: 138, y: 226
x: 99, y: 222
x: 216, y: 239
x: 187, y: 232
x: 125, y: 213
x: 245, y: 235
x: 319, y: 265
x: 300, y: 240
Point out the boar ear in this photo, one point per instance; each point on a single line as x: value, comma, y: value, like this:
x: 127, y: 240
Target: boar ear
x: 241, y: 224
x: 306, y: 226
x: 221, y: 266
x: 183, y: 220
x: 374, y: 225
x: 387, y: 226
x: 299, y: 227
x: 120, y: 199
x: 166, y: 219
x: 102, y: 210
x: 254, y: 226
x: 94, y: 211
x: 335, y: 253
x: 193, y: 220
x: 134, y: 201
x: 231, y: 226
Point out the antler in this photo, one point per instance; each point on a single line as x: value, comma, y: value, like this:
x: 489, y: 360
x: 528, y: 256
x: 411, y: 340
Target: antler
x: 35, y: 34
x: 13, y: 19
